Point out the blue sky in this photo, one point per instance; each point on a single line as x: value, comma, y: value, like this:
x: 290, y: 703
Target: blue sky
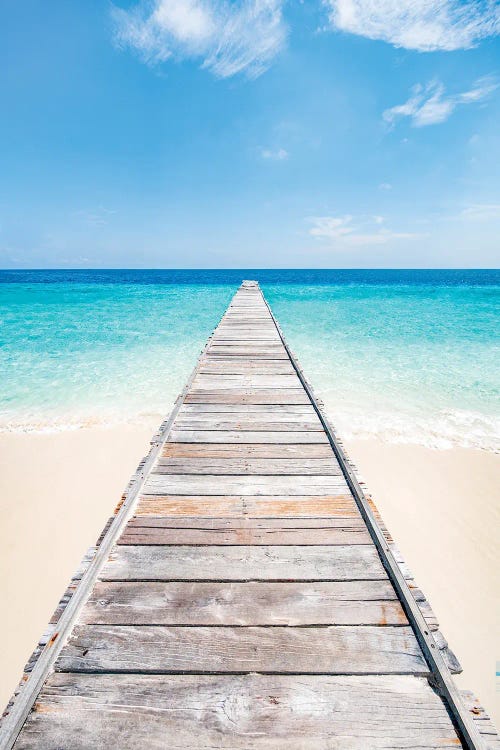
x: 259, y: 133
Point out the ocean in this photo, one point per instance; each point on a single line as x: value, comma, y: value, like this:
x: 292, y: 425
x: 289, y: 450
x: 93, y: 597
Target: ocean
x: 407, y: 356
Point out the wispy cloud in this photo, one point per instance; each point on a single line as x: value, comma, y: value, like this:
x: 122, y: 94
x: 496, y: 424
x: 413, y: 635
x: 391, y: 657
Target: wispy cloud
x: 385, y: 186
x: 481, y: 212
x: 429, y: 105
x: 331, y: 227
x: 341, y: 231
x: 227, y: 37
x: 423, y: 25
x: 279, y: 154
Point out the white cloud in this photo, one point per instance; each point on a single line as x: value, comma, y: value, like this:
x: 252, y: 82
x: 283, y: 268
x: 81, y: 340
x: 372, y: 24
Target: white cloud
x: 423, y: 25
x: 331, y: 227
x: 228, y: 37
x: 341, y: 231
x: 385, y: 186
x: 279, y: 154
x: 481, y: 212
x: 429, y: 105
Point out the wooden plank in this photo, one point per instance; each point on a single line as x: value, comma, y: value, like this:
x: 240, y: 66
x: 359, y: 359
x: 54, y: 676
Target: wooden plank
x: 159, y: 649
x: 238, y: 337
x: 242, y: 366
x: 247, y: 423
x: 246, y: 436
x: 238, y: 712
x: 244, y: 332
x: 303, y: 410
x: 246, y: 450
x: 243, y: 604
x: 257, y: 352
x: 193, y: 484
x: 304, y: 506
x: 242, y: 466
x: 251, y: 346
x: 249, y: 396
x: 280, y: 563
x: 257, y: 380
x: 242, y: 326
x: 213, y: 359
x: 277, y: 410
x: 238, y: 522
x: 288, y: 415
x: 252, y: 342
x: 349, y: 532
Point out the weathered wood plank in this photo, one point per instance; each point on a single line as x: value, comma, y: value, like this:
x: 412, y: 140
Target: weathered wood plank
x: 247, y: 436
x: 238, y: 712
x: 243, y: 365
x: 238, y: 522
x: 288, y: 416
x: 251, y: 346
x: 246, y: 450
x: 204, y: 381
x: 248, y: 396
x: 305, y: 506
x: 193, y: 484
x: 256, y: 352
x: 237, y: 416
x: 254, y: 466
x: 280, y: 563
x: 242, y: 338
x: 252, y: 424
x: 159, y: 649
x: 303, y: 411
x: 243, y: 604
x: 232, y: 332
x: 348, y: 532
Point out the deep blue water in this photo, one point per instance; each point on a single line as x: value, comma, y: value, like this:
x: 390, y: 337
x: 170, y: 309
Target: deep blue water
x: 321, y: 277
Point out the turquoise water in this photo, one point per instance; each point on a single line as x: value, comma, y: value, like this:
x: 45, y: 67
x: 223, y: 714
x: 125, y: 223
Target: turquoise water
x: 410, y: 356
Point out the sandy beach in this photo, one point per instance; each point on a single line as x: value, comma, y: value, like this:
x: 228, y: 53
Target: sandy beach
x: 57, y: 491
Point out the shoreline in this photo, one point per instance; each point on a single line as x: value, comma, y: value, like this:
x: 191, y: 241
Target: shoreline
x: 400, y: 429
x: 58, y: 489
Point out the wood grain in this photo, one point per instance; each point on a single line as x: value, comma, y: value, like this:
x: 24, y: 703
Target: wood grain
x: 255, y: 466
x: 247, y: 450
x: 168, y: 533
x: 313, y: 650
x: 244, y: 604
x: 193, y: 484
x: 269, y: 563
x: 238, y: 712
x: 303, y: 506
x: 285, y: 437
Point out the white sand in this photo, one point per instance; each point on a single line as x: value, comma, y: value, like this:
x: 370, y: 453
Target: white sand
x: 443, y: 510
x: 58, y: 490
x: 56, y: 493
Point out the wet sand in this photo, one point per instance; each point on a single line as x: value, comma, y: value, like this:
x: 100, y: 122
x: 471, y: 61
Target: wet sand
x: 442, y: 507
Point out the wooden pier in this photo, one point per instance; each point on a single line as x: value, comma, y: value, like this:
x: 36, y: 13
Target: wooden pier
x: 246, y: 594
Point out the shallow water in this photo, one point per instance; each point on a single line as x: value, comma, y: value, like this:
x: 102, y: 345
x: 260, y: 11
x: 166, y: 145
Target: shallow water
x: 408, y: 355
